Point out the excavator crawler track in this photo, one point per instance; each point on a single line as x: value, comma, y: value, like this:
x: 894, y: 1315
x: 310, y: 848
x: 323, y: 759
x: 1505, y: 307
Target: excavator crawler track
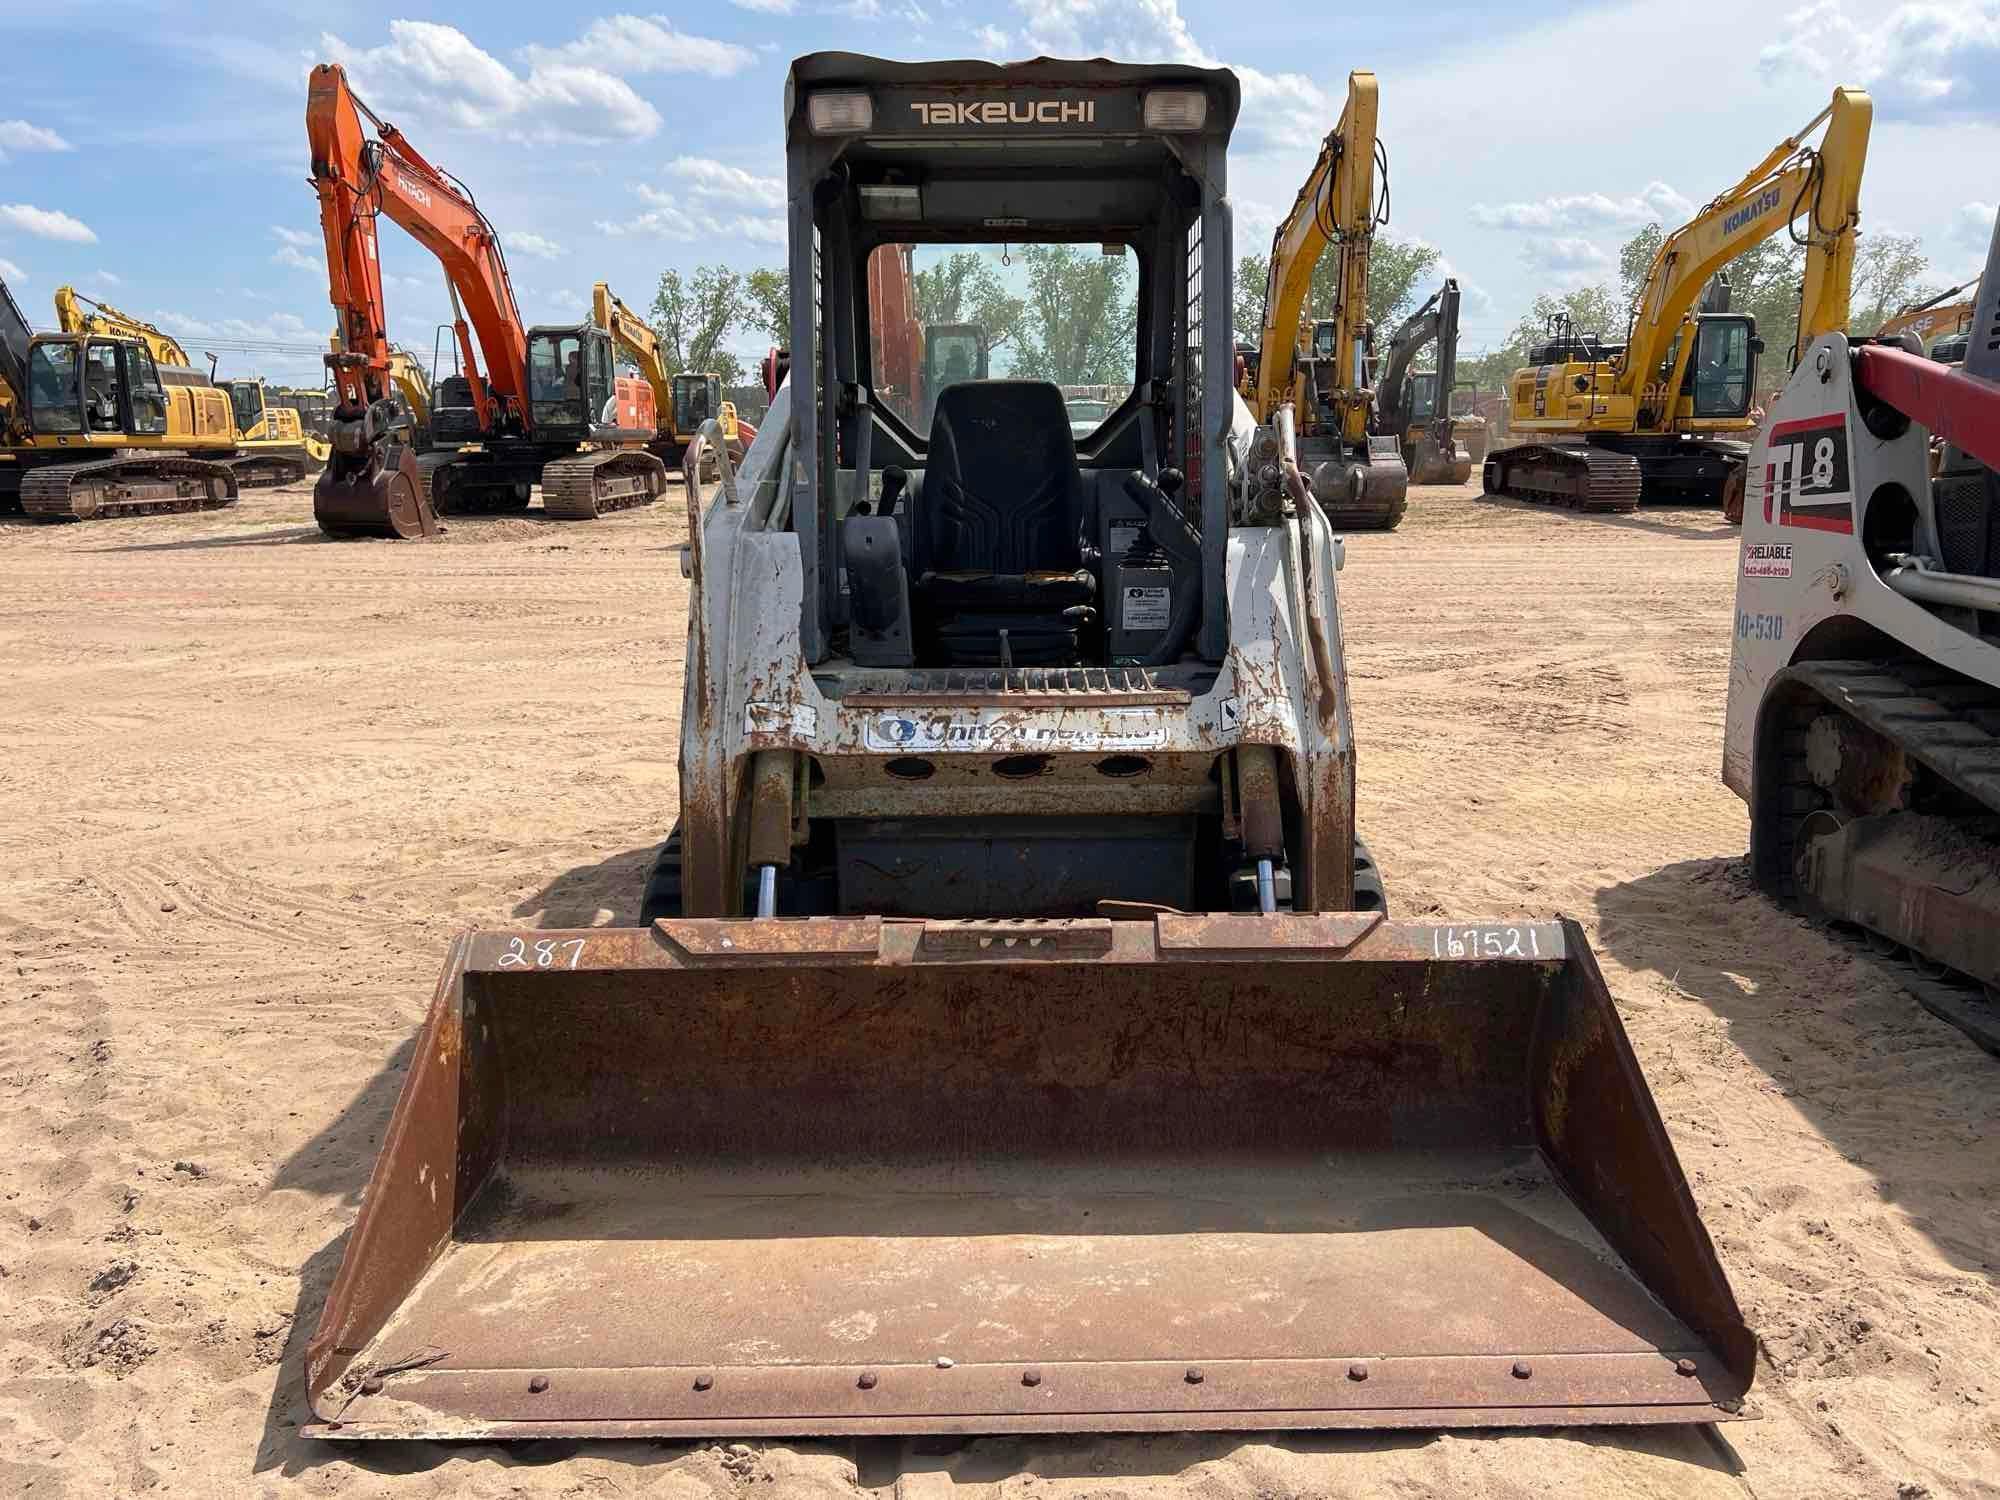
x: 1573, y: 475
x: 112, y: 488
x: 587, y: 486
x: 467, y: 484
x: 268, y: 470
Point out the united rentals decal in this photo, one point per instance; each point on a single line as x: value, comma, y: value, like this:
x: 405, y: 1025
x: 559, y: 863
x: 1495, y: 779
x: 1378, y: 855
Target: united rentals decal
x: 1806, y: 476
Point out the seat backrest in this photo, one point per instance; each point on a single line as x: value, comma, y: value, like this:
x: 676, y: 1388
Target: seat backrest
x: 1001, y: 493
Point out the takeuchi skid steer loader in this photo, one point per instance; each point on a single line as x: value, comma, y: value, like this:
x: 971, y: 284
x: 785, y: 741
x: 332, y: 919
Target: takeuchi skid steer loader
x: 1017, y: 1046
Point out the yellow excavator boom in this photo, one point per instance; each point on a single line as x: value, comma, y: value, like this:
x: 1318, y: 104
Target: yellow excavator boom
x: 1335, y: 207
x: 107, y: 321
x: 1820, y: 187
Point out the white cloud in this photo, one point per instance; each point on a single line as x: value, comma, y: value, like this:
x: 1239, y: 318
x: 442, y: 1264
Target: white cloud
x: 1656, y: 203
x: 768, y: 7
x: 643, y: 44
x: 1278, y: 108
x: 536, y: 245
x: 680, y: 216
x: 46, y: 223
x: 296, y: 238
x: 1932, y: 58
x: 1566, y: 253
x: 707, y: 177
x: 993, y: 41
x: 279, y: 328
x: 296, y: 259
x: 437, y: 70
x: 11, y: 272
x: 108, y: 279
x: 1972, y: 225
x: 19, y: 135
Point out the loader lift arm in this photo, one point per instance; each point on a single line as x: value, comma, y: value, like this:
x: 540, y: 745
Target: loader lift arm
x: 358, y: 177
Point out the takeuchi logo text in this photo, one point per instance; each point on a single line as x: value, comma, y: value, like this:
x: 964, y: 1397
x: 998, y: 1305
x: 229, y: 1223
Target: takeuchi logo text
x: 1008, y: 112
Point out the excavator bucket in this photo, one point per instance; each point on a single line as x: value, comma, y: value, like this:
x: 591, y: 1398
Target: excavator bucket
x: 389, y: 499
x: 860, y: 1175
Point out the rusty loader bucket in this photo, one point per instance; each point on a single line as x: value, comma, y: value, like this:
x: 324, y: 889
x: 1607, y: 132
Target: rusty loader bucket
x: 740, y: 1177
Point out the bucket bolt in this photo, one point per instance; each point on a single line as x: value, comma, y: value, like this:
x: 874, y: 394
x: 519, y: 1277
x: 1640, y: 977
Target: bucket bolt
x: 539, y: 1384
x: 704, y: 1381
x: 866, y: 1380
x: 1357, y: 1371
x: 1194, y: 1375
x: 1684, y: 1367
x: 1031, y: 1377
x: 1522, y: 1369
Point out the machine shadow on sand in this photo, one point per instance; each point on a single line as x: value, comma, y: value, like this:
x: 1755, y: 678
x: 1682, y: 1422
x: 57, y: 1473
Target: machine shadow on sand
x: 1862, y: 1061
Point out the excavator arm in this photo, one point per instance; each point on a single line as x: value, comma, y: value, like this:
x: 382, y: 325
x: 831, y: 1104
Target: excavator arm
x: 635, y: 336
x: 1409, y: 340
x: 16, y: 338
x: 108, y: 322
x: 1335, y: 207
x: 358, y: 177
x: 1814, y: 193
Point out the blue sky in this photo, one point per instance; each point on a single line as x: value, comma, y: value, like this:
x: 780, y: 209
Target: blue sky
x: 155, y: 156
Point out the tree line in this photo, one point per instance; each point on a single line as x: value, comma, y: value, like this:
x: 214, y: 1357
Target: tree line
x: 1073, y: 319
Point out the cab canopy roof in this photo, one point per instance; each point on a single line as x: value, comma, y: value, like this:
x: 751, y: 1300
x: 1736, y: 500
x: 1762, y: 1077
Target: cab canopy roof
x: 935, y: 129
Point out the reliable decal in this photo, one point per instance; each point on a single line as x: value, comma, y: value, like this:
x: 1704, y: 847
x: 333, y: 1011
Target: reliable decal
x: 1005, y: 112
x: 1767, y: 560
x: 1756, y: 208
x: 1806, y: 475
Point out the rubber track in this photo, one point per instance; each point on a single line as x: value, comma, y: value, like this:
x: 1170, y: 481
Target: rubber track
x: 50, y: 493
x: 1595, y: 480
x: 1951, y: 727
x: 573, y: 489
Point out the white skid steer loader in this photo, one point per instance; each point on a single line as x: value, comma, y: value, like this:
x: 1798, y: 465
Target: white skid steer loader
x: 1014, y: 1043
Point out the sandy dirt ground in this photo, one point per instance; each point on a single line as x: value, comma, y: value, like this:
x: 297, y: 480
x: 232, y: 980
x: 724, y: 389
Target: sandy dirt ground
x: 250, y: 781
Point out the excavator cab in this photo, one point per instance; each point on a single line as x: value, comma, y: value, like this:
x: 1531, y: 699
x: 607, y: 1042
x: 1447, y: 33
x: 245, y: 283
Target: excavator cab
x: 94, y: 386
x: 246, y: 405
x: 1721, y: 378
x: 571, y: 388
x: 697, y: 398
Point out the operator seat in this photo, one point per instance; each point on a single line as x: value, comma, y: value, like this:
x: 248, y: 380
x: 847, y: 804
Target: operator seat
x: 996, y: 538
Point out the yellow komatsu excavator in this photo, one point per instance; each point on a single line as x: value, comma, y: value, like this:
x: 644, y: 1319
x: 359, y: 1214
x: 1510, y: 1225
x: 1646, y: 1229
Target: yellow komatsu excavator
x: 92, y: 427
x: 683, y: 402
x: 1317, y: 371
x: 267, y: 444
x: 1662, y: 415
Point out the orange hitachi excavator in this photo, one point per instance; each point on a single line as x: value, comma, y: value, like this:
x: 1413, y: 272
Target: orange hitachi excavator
x: 547, y: 408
